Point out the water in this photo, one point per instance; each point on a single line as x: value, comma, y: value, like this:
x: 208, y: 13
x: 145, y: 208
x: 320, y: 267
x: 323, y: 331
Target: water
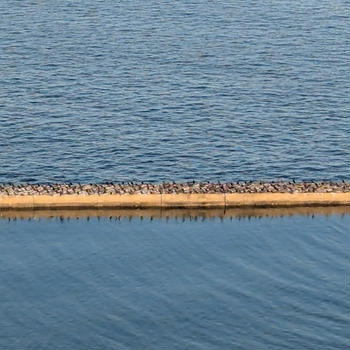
x: 96, y: 91
x: 257, y: 283
x: 174, y: 90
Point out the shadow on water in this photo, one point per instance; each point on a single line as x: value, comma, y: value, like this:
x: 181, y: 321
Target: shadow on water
x: 184, y: 214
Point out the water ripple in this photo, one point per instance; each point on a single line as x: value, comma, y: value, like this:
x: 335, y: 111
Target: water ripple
x: 93, y: 91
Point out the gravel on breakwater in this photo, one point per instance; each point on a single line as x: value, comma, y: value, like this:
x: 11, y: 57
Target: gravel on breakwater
x: 173, y: 188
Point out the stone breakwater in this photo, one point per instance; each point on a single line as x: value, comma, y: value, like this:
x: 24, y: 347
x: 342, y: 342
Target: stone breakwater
x: 172, y: 188
x: 173, y: 195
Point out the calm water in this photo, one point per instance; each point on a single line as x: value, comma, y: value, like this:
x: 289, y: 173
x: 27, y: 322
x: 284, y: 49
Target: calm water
x: 110, y: 90
x: 269, y: 283
x: 174, y: 90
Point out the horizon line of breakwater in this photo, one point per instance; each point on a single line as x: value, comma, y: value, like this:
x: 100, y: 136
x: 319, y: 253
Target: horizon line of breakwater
x: 175, y: 188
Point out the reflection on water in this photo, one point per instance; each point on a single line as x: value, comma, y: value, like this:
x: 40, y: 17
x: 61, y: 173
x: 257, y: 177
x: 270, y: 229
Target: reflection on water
x: 185, y: 214
x: 274, y: 280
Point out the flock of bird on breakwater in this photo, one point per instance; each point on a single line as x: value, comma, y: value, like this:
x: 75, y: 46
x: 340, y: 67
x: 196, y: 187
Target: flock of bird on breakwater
x: 174, y: 188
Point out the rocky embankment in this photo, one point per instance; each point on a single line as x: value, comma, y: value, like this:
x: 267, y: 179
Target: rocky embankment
x: 173, y: 188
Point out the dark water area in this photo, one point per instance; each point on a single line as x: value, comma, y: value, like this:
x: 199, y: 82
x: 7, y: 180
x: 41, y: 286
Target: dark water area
x: 98, y: 91
x: 239, y: 283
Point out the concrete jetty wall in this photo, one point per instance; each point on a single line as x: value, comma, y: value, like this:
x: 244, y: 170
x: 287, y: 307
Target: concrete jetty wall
x: 178, y: 200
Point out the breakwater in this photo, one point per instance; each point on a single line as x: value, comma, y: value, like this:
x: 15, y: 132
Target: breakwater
x: 174, y: 188
x: 174, y: 195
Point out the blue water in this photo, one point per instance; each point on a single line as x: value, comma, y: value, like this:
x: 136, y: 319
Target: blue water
x: 105, y: 90
x: 174, y: 90
x: 268, y: 283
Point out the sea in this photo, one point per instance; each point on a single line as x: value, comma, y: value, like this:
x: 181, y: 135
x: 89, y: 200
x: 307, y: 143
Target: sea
x: 105, y: 90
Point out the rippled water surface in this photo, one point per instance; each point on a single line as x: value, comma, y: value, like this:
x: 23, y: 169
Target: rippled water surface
x: 110, y: 90
x: 248, y: 283
x: 173, y: 90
